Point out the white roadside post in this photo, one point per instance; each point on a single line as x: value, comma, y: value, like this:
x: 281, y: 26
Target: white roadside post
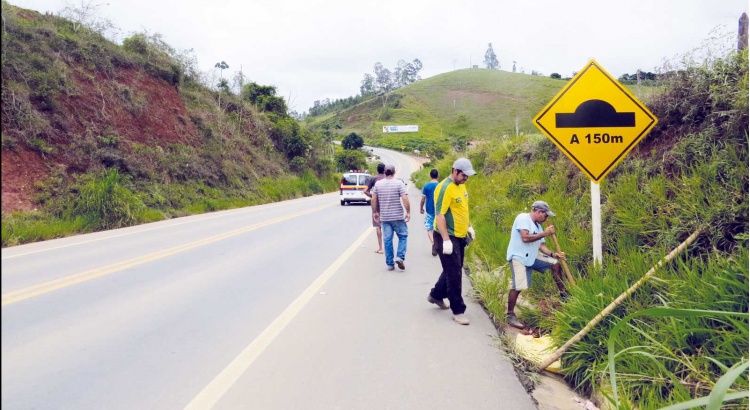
x: 596, y: 222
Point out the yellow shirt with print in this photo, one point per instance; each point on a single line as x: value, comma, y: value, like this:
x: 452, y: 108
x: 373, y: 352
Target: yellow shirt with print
x: 452, y: 201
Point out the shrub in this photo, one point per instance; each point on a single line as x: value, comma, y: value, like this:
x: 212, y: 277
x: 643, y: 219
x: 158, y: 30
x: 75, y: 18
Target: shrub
x: 346, y: 160
x: 352, y: 141
x: 105, y: 202
x: 137, y: 43
x: 323, y: 166
x: 298, y: 164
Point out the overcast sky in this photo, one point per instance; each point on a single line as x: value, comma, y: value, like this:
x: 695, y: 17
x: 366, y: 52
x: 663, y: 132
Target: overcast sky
x: 316, y: 49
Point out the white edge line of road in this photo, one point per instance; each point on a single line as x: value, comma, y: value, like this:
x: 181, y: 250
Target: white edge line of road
x: 166, y: 224
x: 215, y: 390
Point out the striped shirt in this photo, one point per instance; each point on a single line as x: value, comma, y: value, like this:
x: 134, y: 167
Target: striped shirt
x: 389, y: 192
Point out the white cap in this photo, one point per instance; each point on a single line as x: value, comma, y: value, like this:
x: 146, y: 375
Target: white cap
x: 464, y: 165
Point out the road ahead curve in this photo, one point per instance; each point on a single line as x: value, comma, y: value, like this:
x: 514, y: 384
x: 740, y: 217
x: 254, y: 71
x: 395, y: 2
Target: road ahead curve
x: 276, y: 306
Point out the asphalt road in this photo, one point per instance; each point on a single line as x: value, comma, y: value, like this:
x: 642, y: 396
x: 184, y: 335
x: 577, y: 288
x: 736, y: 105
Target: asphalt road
x: 279, y: 306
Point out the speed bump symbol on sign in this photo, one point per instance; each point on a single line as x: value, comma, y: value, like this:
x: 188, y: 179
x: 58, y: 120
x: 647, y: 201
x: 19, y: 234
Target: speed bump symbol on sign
x: 595, y: 121
x: 595, y: 113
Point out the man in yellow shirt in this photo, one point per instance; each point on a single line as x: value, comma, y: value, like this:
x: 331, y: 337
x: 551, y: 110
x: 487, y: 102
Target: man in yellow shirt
x: 452, y: 231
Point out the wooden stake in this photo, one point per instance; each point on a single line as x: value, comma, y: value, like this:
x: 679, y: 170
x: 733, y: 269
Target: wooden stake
x: 559, y: 352
x: 563, y: 263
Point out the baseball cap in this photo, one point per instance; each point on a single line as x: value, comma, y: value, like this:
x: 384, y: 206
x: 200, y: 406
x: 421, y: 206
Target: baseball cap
x: 464, y: 165
x: 542, y: 206
x: 390, y: 169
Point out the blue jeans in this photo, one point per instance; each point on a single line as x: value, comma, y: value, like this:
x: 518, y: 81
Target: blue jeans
x: 402, y: 231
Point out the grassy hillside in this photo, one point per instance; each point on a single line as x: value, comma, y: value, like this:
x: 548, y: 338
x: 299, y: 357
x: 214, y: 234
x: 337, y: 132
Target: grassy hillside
x: 690, y: 172
x: 97, y: 135
x: 451, y: 109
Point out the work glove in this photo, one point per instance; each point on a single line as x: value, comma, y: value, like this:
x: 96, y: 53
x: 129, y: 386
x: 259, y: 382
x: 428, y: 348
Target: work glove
x: 447, y: 247
x: 472, y: 235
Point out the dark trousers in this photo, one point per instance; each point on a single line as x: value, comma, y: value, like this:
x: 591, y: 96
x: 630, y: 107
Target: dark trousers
x: 449, y: 283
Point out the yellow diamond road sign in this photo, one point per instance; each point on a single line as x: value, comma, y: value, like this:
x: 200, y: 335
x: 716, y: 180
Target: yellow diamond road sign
x: 595, y: 121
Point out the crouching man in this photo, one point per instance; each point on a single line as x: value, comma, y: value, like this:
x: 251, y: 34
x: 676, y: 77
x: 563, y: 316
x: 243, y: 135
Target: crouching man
x: 527, y: 251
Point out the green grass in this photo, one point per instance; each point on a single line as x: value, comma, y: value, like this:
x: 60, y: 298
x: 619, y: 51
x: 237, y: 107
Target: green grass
x: 19, y: 228
x: 679, y: 373
x: 110, y: 200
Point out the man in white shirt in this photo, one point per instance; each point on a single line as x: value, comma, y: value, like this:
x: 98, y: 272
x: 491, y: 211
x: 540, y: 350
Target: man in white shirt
x: 527, y: 251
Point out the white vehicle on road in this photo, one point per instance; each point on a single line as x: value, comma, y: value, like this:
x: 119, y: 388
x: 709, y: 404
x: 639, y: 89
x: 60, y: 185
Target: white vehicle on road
x: 353, y: 185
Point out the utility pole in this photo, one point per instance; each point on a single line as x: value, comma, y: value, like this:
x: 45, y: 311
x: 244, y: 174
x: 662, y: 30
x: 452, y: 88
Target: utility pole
x: 638, y: 80
x: 742, y: 33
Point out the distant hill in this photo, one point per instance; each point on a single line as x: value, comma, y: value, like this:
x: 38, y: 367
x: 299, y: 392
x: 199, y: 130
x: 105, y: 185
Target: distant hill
x: 464, y: 105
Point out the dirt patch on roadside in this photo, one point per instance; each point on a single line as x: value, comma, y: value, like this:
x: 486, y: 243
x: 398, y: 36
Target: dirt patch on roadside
x: 20, y: 169
x: 132, y: 106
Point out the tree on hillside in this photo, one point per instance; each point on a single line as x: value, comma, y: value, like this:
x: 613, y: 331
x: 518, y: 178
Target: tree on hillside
x: 367, y: 86
x: 298, y: 116
x: 221, y: 66
x: 415, y: 67
x: 352, y: 142
x: 383, y: 82
x: 490, y: 58
x: 188, y: 63
x: 264, y: 98
x: 380, y: 84
x: 238, y: 81
x: 406, y: 73
x: 86, y: 14
x: 223, y: 84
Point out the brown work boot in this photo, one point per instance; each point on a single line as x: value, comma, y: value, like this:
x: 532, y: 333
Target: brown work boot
x: 438, y: 302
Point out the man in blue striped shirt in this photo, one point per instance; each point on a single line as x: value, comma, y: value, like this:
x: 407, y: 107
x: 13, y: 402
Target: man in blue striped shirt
x: 389, y: 194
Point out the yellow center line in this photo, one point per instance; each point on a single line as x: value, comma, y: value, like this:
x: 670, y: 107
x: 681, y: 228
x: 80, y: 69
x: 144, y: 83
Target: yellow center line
x: 45, y: 287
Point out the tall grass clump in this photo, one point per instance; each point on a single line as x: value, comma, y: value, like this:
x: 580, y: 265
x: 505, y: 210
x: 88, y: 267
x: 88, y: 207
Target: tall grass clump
x: 106, y: 202
x: 698, y: 333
